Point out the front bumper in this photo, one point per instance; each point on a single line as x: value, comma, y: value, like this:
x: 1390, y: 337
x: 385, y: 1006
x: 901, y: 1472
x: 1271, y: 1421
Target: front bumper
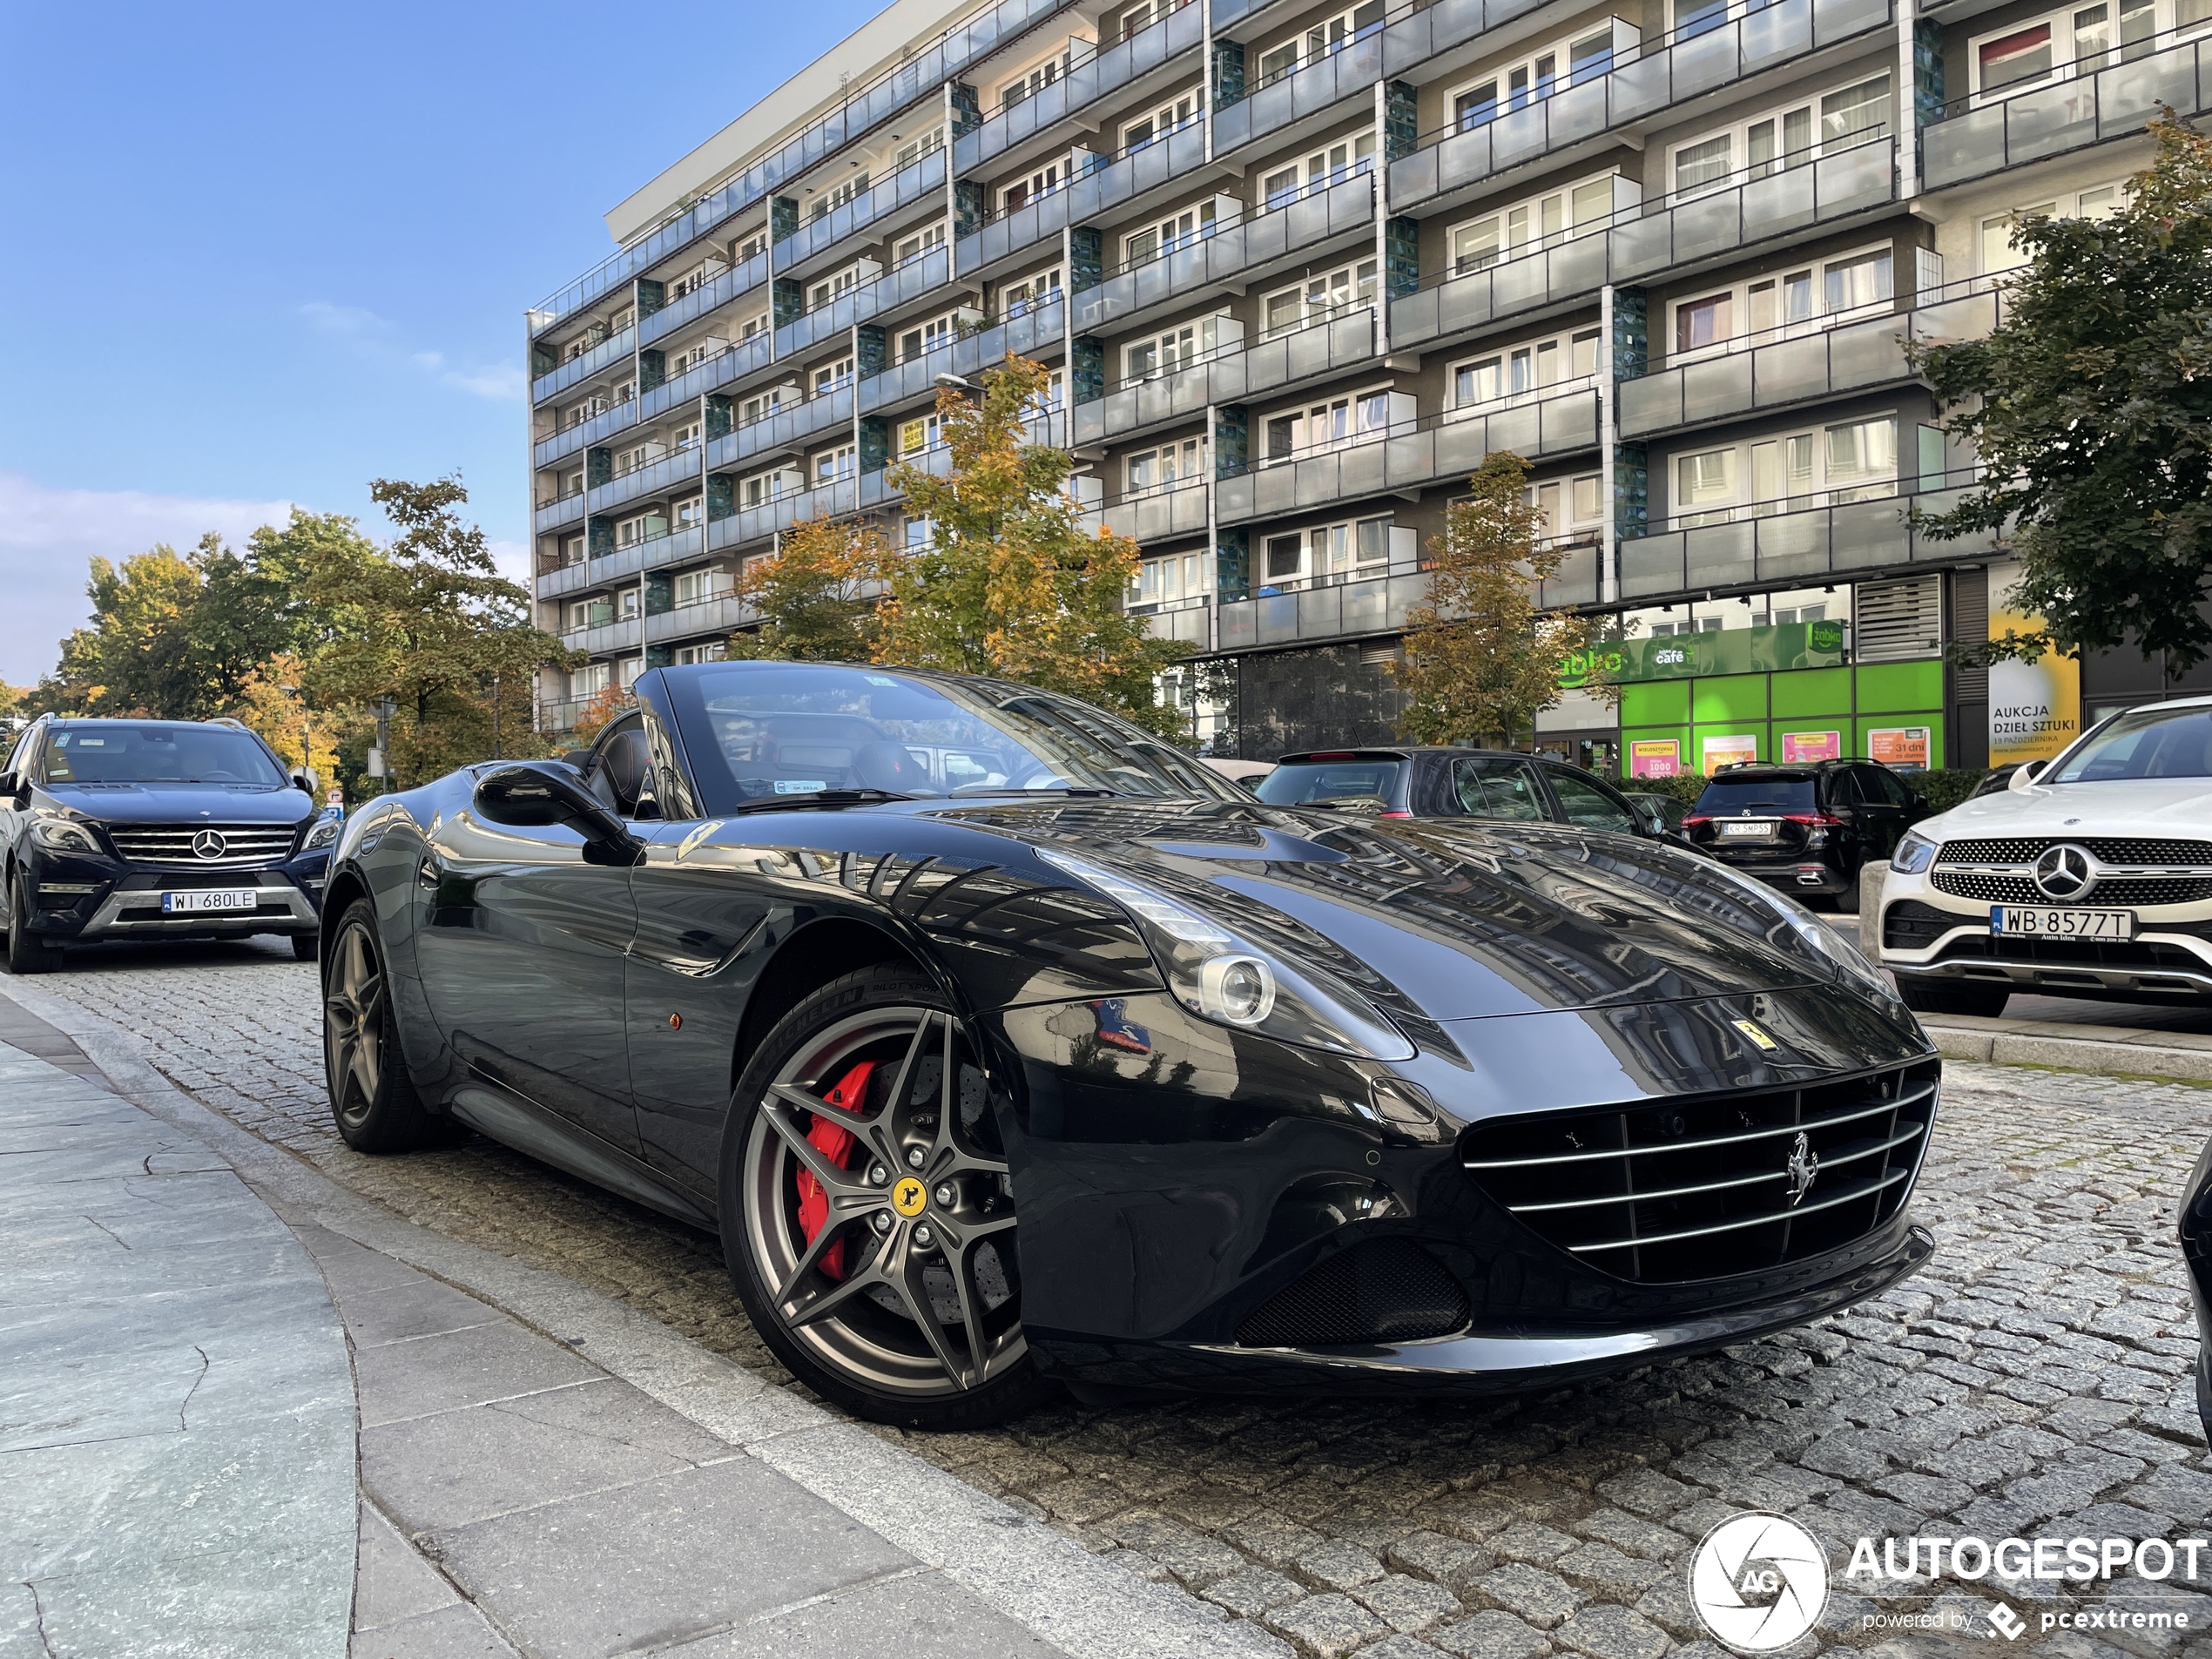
x: 2169, y: 959
x: 81, y: 901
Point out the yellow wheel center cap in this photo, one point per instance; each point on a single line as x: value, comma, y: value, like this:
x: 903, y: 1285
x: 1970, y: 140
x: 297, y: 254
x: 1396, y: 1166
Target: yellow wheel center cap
x: 908, y: 1197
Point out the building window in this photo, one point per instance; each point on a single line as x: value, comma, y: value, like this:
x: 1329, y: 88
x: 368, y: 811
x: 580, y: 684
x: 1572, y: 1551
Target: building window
x: 832, y: 464
x: 572, y: 549
x: 1163, y: 468
x: 1320, y: 41
x: 1784, y: 139
x: 1179, y: 230
x: 1170, y: 350
x: 933, y: 335
x: 1546, y: 219
x: 752, y: 246
x: 918, y: 434
x: 714, y: 653
x: 1540, y: 365
x: 1569, y: 508
x: 1828, y: 466
x: 1858, y: 284
x: 1332, y: 166
x: 690, y: 512
x: 1326, y: 554
x: 1175, y: 113
x: 830, y: 377
x: 1320, y: 298
x: 1514, y: 86
x: 1327, y: 425
x: 760, y: 407
x: 1017, y: 299
x: 1999, y: 253
x: 645, y: 527
x: 913, y: 247
x: 765, y: 488
x: 696, y: 587
x: 1026, y: 85
x: 916, y: 149
x: 828, y: 199
x: 1175, y: 580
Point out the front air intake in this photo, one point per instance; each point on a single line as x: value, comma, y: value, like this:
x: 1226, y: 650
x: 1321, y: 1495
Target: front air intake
x: 1386, y: 1290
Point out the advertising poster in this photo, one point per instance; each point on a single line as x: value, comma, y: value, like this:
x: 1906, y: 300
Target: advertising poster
x: 1726, y: 751
x: 1904, y: 748
x: 1799, y: 746
x: 2034, y: 708
x: 1655, y: 757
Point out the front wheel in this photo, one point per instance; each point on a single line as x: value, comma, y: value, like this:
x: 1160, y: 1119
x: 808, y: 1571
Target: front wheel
x: 866, y: 1213
x: 371, y: 1096
x: 27, y: 952
x: 1932, y: 997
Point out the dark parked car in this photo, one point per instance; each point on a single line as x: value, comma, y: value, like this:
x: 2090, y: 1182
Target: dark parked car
x: 1457, y: 783
x: 1093, y: 1068
x: 155, y: 829
x: 2196, y: 1245
x: 1806, y: 829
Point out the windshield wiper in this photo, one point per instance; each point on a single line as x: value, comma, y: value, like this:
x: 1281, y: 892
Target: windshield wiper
x: 819, y: 798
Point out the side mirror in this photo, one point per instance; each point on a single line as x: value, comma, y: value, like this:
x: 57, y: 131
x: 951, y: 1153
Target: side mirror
x: 1920, y: 803
x: 304, y: 779
x: 536, y: 796
x: 7, y: 783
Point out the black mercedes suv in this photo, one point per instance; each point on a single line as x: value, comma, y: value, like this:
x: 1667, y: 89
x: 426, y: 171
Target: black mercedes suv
x: 155, y: 829
x: 1806, y: 829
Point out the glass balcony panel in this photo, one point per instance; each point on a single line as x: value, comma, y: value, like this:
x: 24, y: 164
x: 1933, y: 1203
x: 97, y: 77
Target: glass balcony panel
x: 1702, y: 62
x: 1793, y: 544
x: 1514, y: 430
x: 1786, y: 201
x: 1651, y: 403
x: 1642, y: 85
x: 1786, y: 370
x: 1320, y: 613
x: 1278, y: 618
x: 2129, y: 95
x: 1652, y: 564
x: 1964, y: 145
x: 1714, y: 223
x: 1867, y: 533
x: 1860, y: 176
x: 1785, y: 29
x: 1240, y: 624
x: 1363, y: 607
x: 1464, y: 159
x: 2049, y: 119
x: 1568, y: 423
x: 1520, y: 134
x: 1716, y: 555
x: 1580, y: 112
x: 1867, y: 354
x: 1834, y: 19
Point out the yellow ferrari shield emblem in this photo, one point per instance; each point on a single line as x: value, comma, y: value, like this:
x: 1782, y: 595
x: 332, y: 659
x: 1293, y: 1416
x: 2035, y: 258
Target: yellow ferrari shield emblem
x: 909, y: 1196
x: 1759, y: 1038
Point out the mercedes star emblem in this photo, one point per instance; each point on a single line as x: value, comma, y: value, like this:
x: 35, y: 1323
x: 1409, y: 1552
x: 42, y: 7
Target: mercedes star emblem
x: 2065, y: 872
x: 209, y: 844
x: 1804, y: 1165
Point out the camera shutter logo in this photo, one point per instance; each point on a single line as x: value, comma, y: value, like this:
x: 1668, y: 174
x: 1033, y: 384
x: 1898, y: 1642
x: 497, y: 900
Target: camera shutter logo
x: 1758, y: 1582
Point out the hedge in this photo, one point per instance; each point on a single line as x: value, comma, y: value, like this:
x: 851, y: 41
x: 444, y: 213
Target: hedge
x: 1944, y: 789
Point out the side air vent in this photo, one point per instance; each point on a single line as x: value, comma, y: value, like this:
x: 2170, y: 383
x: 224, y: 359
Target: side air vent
x: 1387, y: 1290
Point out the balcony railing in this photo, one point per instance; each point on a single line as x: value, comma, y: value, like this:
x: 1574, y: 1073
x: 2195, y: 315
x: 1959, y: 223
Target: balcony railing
x: 558, y: 515
x: 918, y: 77
x: 918, y: 181
x: 1451, y: 445
x: 1187, y: 620
x: 718, y: 615
x: 1681, y: 229
x: 1231, y: 252
x: 1156, y: 514
x: 1091, y: 76
x: 660, y: 477
x: 1808, y: 544
x: 556, y: 715
x: 1312, y: 89
x: 708, y: 296
x: 1158, y: 165
x: 1662, y: 73
x: 1033, y: 331
x: 1230, y: 377
x: 2084, y: 108
x: 557, y: 381
x: 790, y: 429
x: 752, y: 524
x: 893, y: 289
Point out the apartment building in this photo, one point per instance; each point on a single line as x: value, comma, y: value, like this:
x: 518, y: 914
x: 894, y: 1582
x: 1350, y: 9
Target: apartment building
x: 1298, y: 268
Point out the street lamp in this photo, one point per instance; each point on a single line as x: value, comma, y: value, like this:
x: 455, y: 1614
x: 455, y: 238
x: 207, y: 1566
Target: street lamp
x: 957, y: 383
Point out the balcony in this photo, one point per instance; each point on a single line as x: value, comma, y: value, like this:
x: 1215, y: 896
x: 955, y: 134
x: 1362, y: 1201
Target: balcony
x: 1770, y: 543
x: 1765, y: 372
x: 1348, y: 609
x: 2086, y: 108
x: 1035, y: 331
x: 1680, y: 230
x: 558, y: 515
x: 657, y: 553
x: 671, y: 473
x: 559, y: 715
x: 1188, y: 620
x: 1242, y: 253
x: 914, y: 81
x: 719, y: 614
x: 1437, y: 448
x: 895, y: 288
x: 1665, y: 73
x: 555, y: 578
x: 1232, y: 377
x: 816, y: 245
x: 1310, y: 91
x: 789, y: 430
x: 579, y: 369
x: 1154, y: 514
x: 759, y: 523
x: 708, y: 296
x: 1179, y: 157
x: 1102, y: 74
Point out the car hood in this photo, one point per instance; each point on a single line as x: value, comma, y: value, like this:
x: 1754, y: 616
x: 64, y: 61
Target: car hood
x: 2178, y: 808
x: 184, y: 803
x: 1463, y: 920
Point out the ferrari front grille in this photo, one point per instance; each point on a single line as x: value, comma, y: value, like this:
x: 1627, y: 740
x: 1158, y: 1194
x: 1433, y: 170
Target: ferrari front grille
x: 1672, y: 1191
x: 204, y: 846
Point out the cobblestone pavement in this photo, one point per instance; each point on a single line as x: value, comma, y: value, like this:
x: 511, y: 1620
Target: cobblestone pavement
x: 2035, y: 1379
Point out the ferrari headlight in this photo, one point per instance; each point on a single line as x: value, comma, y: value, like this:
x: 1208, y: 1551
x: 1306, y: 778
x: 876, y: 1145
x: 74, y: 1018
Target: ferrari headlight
x: 1915, y: 851
x: 324, y: 832
x: 1230, y: 980
x: 64, y: 835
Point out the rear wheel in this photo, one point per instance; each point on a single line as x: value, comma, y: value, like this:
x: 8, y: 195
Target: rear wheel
x: 371, y: 1095
x: 866, y: 1213
x: 27, y: 952
x: 1926, y: 996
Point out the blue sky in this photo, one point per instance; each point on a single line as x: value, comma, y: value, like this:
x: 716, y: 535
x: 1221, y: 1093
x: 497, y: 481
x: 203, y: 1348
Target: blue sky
x: 259, y: 255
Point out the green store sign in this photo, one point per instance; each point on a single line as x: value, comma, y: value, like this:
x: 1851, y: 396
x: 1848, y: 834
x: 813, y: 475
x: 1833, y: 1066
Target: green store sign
x: 1727, y: 651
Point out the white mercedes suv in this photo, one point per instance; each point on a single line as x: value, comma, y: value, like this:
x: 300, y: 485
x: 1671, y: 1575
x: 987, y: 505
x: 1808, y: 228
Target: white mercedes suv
x: 2091, y: 875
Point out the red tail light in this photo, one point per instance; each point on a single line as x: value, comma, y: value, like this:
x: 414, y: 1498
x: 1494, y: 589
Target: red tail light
x: 1394, y: 815
x: 1697, y: 818
x: 1822, y: 818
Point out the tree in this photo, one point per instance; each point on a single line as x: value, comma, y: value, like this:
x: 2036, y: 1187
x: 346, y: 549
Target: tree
x: 1481, y: 661
x: 817, y: 594
x: 1010, y: 584
x: 273, y: 703
x: 2090, y: 406
x: 438, y: 626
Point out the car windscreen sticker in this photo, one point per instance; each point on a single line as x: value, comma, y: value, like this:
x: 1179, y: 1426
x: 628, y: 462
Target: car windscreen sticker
x: 880, y: 679
x: 799, y: 785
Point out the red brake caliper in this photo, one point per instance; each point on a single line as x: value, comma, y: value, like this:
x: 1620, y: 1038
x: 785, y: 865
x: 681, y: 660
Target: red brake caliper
x: 835, y: 1143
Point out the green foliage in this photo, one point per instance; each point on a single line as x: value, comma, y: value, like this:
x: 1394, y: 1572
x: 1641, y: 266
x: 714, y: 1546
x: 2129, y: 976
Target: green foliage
x: 1684, y: 786
x: 1944, y: 789
x: 1012, y: 584
x: 2091, y: 407
x: 816, y: 597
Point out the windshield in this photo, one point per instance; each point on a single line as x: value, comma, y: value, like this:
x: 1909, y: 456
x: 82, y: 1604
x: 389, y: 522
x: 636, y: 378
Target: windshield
x: 1303, y: 783
x: 158, y: 754
x: 1737, y: 795
x: 2149, y: 743
x: 757, y: 730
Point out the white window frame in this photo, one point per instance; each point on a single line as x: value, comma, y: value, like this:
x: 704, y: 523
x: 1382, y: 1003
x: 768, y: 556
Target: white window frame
x: 1316, y: 43
x: 1782, y: 304
x: 920, y: 435
x: 831, y: 197
x: 1346, y: 420
x: 1324, y: 298
x: 1180, y: 228
x: 913, y: 247
x: 1179, y: 346
x: 2098, y: 201
x: 1185, y: 107
x: 714, y: 651
x: 830, y: 377
x: 1521, y: 370
x: 1767, y: 473
x: 638, y: 528
x: 1157, y: 468
x: 918, y: 150
x: 2118, y: 35
x: 1033, y: 293
x: 1329, y: 554
x: 830, y: 466
x: 1352, y: 156
x: 1535, y: 75
x: 688, y: 512
x: 764, y: 489
x: 1522, y: 227
x: 1776, y: 139
x: 1171, y: 580
x: 701, y: 586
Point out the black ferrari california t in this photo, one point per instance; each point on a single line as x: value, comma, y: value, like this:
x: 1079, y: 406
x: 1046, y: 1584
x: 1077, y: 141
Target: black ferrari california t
x: 1004, y: 1045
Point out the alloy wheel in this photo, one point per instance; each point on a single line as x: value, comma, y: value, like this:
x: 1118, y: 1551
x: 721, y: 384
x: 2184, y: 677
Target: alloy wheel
x: 353, y: 1024
x: 878, y: 1210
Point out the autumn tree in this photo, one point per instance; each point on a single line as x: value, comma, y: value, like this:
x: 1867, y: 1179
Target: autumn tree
x: 816, y: 593
x: 2090, y: 406
x: 438, y: 629
x: 1481, y: 661
x: 1011, y: 583
x: 273, y: 703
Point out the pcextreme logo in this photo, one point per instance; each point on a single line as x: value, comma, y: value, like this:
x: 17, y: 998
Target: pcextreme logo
x: 1759, y: 1581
